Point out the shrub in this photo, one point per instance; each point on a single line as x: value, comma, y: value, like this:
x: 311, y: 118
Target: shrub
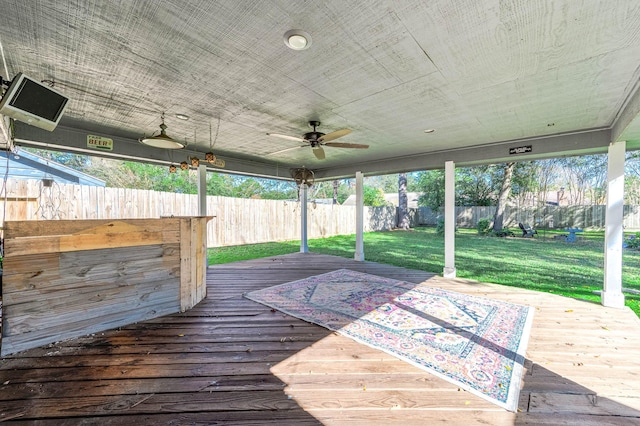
x: 633, y: 241
x: 504, y: 232
x: 440, y: 226
x: 483, y: 226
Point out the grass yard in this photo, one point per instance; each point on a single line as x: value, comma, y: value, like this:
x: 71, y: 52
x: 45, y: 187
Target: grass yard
x: 543, y: 263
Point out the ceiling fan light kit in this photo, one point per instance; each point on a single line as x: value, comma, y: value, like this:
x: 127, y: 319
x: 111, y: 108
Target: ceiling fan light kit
x: 303, y: 175
x: 297, y: 39
x: 162, y: 140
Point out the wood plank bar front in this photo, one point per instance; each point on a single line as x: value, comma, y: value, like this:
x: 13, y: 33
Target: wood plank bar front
x: 68, y: 278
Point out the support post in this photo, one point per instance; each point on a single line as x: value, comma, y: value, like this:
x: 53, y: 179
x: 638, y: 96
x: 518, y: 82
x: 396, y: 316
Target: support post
x: 202, y: 190
x: 359, y: 254
x: 202, y: 204
x: 304, y: 246
x: 449, y: 219
x: 612, y: 287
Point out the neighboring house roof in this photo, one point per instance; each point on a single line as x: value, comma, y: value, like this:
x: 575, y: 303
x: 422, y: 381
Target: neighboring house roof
x: 22, y: 164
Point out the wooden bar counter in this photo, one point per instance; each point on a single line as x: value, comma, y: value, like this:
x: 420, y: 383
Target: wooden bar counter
x: 68, y: 278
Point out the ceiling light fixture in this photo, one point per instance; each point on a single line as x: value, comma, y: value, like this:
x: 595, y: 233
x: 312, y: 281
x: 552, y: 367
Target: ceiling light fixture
x: 162, y: 140
x: 182, y: 116
x: 297, y: 39
x: 430, y: 130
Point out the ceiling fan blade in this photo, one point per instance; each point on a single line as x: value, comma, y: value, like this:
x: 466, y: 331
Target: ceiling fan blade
x: 318, y: 152
x: 334, y: 135
x: 346, y: 145
x: 291, y: 138
x: 286, y: 150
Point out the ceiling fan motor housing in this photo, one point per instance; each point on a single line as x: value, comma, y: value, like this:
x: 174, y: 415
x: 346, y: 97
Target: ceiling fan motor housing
x: 313, y: 137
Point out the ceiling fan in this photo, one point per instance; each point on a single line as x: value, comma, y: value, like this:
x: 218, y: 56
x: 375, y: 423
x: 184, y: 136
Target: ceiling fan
x: 317, y: 140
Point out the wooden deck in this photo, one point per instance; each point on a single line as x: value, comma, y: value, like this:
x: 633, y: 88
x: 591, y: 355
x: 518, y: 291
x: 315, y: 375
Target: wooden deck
x: 233, y: 361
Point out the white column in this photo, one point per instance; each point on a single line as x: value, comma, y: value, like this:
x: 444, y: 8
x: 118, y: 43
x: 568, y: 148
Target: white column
x: 359, y: 254
x: 304, y: 246
x: 449, y: 219
x: 612, y: 290
x: 202, y: 190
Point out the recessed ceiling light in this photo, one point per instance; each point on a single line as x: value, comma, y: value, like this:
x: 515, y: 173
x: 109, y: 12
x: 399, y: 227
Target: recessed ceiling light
x: 297, y: 39
x: 430, y: 130
x: 182, y: 116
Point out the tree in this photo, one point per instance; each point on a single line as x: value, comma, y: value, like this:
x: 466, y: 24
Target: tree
x: 75, y: 161
x: 403, y: 210
x: 477, y: 186
x: 431, y: 184
x: 386, y: 183
x: 219, y: 184
x: 373, y: 197
x: 505, y: 192
x: 585, y: 174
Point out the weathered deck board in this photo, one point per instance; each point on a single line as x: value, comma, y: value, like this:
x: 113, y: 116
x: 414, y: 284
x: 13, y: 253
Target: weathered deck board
x: 233, y: 361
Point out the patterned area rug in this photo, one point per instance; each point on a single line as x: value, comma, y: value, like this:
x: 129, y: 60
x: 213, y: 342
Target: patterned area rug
x: 473, y: 342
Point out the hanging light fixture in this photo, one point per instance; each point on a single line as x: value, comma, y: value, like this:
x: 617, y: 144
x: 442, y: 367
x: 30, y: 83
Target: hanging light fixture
x: 162, y: 140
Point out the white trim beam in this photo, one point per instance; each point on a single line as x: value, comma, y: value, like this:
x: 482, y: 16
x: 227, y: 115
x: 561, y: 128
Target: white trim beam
x: 628, y: 116
x: 69, y: 139
x: 592, y: 142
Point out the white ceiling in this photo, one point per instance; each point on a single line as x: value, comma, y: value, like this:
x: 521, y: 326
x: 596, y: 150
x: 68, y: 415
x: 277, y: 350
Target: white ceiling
x: 559, y: 75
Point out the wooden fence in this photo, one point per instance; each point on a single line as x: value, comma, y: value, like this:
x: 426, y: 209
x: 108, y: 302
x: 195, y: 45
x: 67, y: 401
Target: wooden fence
x: 236, y: 221
x: 541, y: 217
x: 247, y: 221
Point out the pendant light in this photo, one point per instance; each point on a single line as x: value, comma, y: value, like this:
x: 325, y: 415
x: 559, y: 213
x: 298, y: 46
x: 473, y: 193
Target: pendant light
x: 162, y: 140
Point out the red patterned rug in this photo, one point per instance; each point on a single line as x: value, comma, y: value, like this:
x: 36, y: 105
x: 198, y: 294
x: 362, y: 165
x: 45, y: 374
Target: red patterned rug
x: 476, y: 343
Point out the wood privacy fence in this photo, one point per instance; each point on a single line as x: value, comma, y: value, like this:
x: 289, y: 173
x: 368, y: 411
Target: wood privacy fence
x: 237, y: 220
x: 248, y: 221
x: 541, y: 217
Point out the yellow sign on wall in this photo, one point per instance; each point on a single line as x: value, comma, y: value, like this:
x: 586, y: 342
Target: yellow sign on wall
x: 100, y: 143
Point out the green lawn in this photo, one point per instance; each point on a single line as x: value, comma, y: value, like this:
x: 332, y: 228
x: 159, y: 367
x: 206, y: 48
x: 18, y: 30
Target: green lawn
x: 543, y: 263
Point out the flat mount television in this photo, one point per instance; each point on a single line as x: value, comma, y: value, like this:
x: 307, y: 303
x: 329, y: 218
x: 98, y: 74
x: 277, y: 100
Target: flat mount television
x: 32, y: 102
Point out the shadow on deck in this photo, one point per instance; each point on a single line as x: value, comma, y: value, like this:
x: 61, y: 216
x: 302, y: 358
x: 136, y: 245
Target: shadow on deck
x: 233, y: 361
